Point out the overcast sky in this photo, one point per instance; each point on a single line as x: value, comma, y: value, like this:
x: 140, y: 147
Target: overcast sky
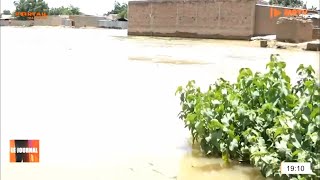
x: 96, y: 7
x: 91, y: 7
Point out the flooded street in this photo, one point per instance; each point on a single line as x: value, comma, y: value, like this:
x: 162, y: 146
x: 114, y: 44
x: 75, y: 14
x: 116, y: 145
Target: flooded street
x: 102, y: 104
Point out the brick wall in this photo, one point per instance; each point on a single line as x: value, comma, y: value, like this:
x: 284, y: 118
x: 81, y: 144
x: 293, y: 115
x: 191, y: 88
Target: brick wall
x: 88, y: 21
x: 227, y: 19
x: 294, y: 30
x: 22, y: 23
x: 48, y: 21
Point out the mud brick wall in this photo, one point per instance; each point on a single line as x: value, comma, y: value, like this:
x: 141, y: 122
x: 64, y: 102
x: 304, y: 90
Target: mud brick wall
x: 48, y: 21
x: 22, y: 23
x: 316, y: 33
x: 86, y: 21
x: 294, y: 30
x: 226, y: 19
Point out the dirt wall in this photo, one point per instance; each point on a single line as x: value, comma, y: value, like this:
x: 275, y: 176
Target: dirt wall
x: 227, y: 19
x: 294, y: 30
x: 4, y: 22
x: 22, y: 23
x: 316, y: 33
x: 86, y: 21
x: 48, y: 21
x: 316, y: 22
x: 113, y: 24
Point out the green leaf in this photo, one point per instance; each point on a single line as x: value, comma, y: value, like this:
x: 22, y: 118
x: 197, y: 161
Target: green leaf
x: 215, y: 102
x: 301, y: 66
x: 315, y: 112
x: 311, y: 128
x: 282, y: 64
x: 179, y: 90
x: 295, y: 153
x: 291, y: 123
x: 296, y: 141
x: 208, y: 138
x: 281, y: 146
x: 231, y: 133
x: 233, y: 144
x: 255, y: 94
x: 224, y: 91
x: 216, y: 124
x: 302, y: 156
x: 279, y: 130
x: 191, y: 117
x: 308, y: 83
x: 314, y: 137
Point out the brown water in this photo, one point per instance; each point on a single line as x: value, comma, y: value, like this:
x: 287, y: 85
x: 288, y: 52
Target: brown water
x: 102, y: 104
x: 195, y: 166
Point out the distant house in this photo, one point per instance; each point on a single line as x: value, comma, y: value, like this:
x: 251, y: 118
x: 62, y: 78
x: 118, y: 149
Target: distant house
x: 5, y: 20
x: 6, y: 17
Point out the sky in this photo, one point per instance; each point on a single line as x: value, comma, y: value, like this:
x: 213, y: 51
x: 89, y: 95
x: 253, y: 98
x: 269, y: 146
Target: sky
x: 90, y: 7
x: 97, y: 7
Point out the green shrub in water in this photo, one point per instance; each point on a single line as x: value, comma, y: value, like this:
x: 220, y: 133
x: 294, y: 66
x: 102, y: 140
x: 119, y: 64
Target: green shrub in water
x: 262, y: 119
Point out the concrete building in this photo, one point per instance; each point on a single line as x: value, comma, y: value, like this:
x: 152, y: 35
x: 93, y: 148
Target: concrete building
x: 5, y: 20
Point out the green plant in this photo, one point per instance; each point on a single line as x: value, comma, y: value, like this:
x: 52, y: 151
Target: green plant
x: 119, y: 9
x: 262, y: 119
x: 71, y: 10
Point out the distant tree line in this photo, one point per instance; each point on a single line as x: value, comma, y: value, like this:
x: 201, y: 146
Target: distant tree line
x: 288, y: 3
x: 42, y: 6
x: 30, y: 6
x: 71, y: 10
x: 6, y: 12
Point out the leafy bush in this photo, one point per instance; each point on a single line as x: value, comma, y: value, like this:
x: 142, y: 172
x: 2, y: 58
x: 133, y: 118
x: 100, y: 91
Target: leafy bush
x: 261, y: 119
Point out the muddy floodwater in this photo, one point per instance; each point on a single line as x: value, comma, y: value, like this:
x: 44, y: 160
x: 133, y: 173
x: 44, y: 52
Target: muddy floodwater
x: 103, y: 107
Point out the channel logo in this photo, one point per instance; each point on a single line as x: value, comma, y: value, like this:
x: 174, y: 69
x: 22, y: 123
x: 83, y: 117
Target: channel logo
x: 24, y: 151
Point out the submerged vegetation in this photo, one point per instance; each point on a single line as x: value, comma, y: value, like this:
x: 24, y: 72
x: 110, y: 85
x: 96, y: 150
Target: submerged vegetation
x: 262, y: 119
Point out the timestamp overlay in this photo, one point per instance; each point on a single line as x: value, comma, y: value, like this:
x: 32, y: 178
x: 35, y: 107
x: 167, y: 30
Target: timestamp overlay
x: 296, y: 168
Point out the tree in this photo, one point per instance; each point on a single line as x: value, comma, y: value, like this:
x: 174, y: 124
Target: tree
x: 287, y: 3
x: 120, y: 9
x: 30, y: 6
x: 71, y: 10
x: 6, y: 12
x: 74, y: 10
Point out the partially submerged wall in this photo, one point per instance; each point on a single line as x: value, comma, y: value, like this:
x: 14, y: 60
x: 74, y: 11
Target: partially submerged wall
x: 15, y: 22
x: 316, y: 22
x: 113, y: 24
x: 4, y: 22
x: 48, y: 21
x: 294, y: 30
x: 316, y: 33
x: 85, y: 21
x: 228, y: 19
